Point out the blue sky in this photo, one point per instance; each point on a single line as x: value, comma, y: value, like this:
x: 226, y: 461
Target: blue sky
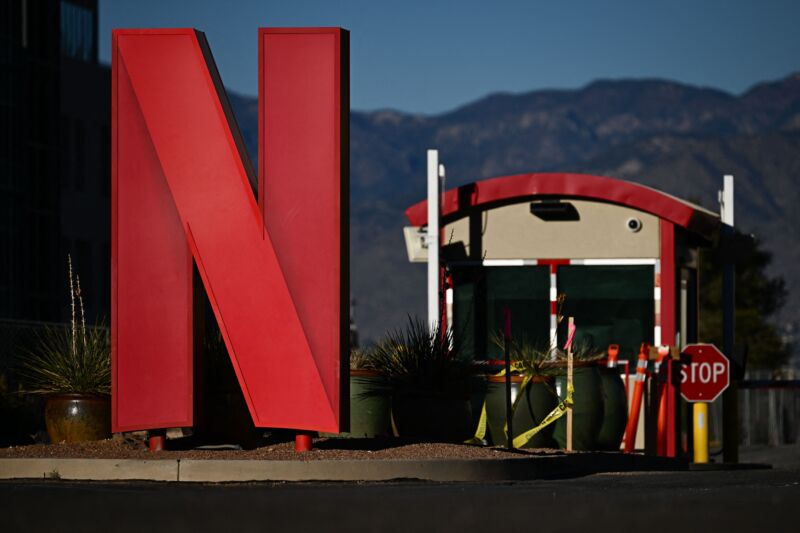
x: 429, y: 56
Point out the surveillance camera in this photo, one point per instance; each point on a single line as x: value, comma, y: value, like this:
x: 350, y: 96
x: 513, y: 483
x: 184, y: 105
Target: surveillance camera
x: 634, y: 224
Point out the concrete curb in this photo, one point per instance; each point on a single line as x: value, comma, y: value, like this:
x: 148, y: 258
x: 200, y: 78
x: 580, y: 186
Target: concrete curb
x: 89, y: 469
x: 713, y: 467
x: 242, y: 470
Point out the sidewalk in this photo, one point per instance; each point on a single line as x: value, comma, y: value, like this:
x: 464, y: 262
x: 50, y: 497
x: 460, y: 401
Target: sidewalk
x: 236, y: 470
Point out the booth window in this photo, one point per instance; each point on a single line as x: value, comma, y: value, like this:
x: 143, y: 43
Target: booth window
x: 610, y: 304
x: 481, y: 294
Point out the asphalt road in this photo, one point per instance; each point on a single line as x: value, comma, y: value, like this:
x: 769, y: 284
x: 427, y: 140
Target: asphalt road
x: 756, y: 500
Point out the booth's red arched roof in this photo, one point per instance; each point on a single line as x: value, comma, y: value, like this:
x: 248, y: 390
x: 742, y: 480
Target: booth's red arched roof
x: 459, y: 202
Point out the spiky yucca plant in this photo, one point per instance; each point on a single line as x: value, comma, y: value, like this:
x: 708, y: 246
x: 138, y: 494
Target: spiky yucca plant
x: 545, y: 359
x: 527, y: 357
x: 421, y: 359
x: 55, y: 369
x: 361, y: 359
x: 73, y: 359
x: 538, y: 359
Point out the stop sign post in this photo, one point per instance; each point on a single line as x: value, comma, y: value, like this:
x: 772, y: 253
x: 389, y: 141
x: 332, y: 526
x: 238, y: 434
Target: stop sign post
x: 705, y: 374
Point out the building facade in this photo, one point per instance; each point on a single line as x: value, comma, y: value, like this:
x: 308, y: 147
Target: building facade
x: 54, y: 160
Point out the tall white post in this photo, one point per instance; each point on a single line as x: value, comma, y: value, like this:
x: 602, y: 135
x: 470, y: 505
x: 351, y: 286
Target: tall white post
x: 434, y: 201
x: 726, y: 200
x: 730, y: 398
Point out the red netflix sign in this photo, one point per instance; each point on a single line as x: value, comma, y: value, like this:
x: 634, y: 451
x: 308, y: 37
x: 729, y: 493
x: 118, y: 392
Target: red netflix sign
x: 275, y: 267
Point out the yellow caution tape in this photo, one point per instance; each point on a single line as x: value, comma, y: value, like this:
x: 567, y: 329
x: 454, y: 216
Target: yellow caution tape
x: 523, y: 439
x: 480, y: 432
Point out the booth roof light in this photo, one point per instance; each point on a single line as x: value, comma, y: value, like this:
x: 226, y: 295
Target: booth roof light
x: 554, y: 210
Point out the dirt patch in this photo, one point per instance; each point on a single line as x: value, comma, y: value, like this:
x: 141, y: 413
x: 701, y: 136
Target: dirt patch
x: 324, y: 449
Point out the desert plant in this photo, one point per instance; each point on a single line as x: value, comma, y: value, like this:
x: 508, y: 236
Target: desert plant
x: 422, y: 359
x: 361, y: 359
x: 73, y: 359
x: 527, y: 357
x: 534, y: 359
x: 582, y: 351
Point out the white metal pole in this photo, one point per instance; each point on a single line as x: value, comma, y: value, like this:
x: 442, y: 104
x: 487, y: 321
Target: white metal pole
x: 726, y: 201
x: 434, y: 315
x: 730, y: 398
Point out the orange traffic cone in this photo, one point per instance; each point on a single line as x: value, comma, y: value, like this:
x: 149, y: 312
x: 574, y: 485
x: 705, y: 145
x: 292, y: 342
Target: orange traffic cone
x: 636, y: 403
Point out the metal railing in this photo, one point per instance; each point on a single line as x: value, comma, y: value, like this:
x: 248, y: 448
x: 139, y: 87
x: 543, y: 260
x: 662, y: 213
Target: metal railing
x: 769, y: 408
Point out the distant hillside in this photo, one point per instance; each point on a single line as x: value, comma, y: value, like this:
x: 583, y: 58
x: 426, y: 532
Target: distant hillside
x: 678, y: 138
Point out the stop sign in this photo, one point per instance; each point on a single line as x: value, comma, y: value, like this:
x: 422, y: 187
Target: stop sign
x: 705, y: 373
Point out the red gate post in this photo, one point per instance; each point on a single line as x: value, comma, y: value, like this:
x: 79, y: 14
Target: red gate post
x: 303, y: 442
x: 157, y: 440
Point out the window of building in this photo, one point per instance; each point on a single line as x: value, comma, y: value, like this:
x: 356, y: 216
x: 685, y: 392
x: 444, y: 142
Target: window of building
x: 610, y: 304
x: 481, y: 294
x: 77, y: 31
x: 83, y: 268
x: 79, y: 154
x: 66, y: 152
x: 104, y: 303
x: 105, y: 158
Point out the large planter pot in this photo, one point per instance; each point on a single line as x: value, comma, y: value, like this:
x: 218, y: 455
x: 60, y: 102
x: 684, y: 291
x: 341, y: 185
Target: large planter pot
x: 477, y: 398
x: 432, y: 416
x: 536, y: 403
x: 77, y: 417
x: 587, y: 411
x: 370, y: 405
x: 615, y: 410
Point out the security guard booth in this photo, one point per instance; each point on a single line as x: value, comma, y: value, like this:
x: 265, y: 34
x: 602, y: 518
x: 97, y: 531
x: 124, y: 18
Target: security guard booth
x: 624, y: 256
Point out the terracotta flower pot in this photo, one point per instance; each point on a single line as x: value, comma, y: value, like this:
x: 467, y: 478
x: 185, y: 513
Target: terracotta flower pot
x: 78, y: 417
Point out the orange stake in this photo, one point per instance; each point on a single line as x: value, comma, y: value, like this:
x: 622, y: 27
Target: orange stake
x: 613, y: 355
x: 661, y: 437
x: 636, y: 403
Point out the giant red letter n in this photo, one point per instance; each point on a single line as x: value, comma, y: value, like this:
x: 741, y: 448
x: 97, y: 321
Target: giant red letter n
x: 275, y: 268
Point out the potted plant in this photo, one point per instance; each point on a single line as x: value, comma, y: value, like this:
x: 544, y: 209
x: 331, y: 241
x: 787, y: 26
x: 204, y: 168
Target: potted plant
x: 430, y: 382
x: 587, y: 409
x: 71, y: 366
x: 533, y: 395
x: 615, y: 405
x: 370, y: 400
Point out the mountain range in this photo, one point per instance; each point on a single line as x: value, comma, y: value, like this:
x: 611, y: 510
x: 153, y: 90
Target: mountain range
x: 675, y: 137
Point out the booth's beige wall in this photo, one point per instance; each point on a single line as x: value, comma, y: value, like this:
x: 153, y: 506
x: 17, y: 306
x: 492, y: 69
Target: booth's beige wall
x: 512, y: 232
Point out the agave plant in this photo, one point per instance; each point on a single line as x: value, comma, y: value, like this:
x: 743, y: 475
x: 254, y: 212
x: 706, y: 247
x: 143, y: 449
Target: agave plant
x: 546, y: 359
x: 55, y: 368
x: 361, y: 359
x: 72, y: 359
x: 422, y: 359
x: 527, y: 357
x: 583, y: 350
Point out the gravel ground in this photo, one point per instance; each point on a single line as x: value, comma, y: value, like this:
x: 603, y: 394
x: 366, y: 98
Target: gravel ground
x: 327, y: 449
